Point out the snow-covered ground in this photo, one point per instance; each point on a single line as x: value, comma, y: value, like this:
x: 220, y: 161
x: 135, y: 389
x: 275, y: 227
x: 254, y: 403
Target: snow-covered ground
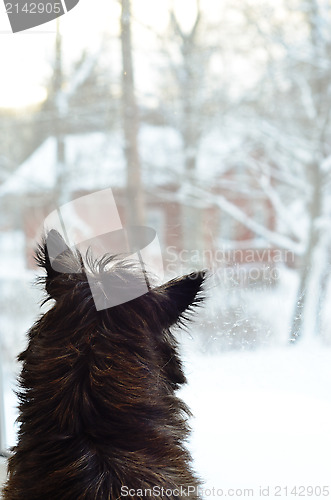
x: 2, y: 471
x: 261, y: 419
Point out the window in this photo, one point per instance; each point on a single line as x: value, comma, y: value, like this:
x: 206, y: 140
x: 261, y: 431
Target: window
x: 190, y: 111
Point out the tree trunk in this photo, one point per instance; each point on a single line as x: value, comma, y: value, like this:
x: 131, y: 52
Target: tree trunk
x: 308, y: 261
x: 190, y: 86
x: 324, y: 284
x: 135, y: 194
x: 191, y: 214
x: 61, y: 181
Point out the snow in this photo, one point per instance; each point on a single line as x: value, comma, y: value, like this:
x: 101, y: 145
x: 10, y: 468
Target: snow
x: 262, y: 418
x: 96, y: 160
x: 34, y: 175
x: 13, y: 259
x: 270, y: 236
x: 217, y: 151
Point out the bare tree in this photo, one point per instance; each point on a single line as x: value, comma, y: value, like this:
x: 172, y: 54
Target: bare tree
x: 135, y: 195
x: 283, y: 122
x: 290, y: 117
x: 188, y: 73
x: 60, y: 114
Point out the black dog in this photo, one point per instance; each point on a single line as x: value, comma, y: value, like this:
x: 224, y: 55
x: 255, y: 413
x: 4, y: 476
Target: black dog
x: 99, y: 418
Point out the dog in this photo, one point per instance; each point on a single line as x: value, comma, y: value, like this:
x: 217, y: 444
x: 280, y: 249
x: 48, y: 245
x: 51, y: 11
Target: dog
x: 99, y: 418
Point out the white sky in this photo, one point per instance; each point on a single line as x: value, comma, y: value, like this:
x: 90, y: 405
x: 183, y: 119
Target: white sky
x: 25, y: 57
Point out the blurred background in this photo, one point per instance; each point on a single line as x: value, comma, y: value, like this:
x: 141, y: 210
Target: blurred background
x: 210, y: 122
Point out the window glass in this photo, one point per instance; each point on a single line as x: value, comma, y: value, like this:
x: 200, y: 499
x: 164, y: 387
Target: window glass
x: 210, y: 124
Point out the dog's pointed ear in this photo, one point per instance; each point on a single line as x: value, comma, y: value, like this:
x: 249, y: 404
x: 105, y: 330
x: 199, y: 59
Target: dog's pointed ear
x: 180, y: 296
x: 50, y: 253
x: 54, y: 255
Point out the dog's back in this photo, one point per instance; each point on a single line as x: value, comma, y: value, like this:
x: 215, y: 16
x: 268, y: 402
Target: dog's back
x: 99, y: 418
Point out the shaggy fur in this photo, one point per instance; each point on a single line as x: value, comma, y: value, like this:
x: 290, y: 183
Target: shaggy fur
x: 98, y: 408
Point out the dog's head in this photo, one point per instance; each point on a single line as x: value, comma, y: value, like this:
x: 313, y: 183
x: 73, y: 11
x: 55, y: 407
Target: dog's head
x: 141, y: 325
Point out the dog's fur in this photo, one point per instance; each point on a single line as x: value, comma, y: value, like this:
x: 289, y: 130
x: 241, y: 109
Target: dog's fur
x: 98, y: 408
